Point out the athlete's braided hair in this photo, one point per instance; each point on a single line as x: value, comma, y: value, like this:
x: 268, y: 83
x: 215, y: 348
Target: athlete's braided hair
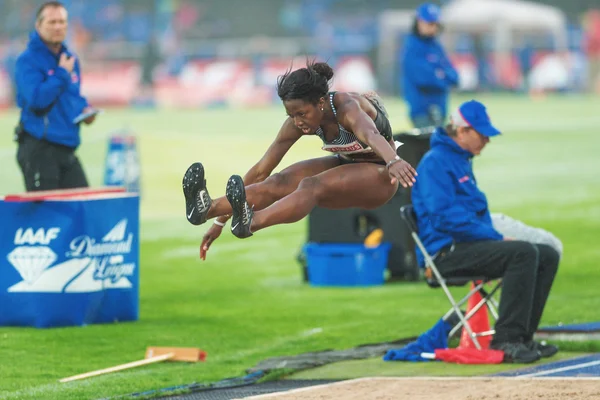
x: 308, y: 84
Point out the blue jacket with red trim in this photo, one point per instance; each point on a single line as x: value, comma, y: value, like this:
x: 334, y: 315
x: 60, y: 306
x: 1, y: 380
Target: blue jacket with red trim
x: 49, y: 96
x: 449, y: 206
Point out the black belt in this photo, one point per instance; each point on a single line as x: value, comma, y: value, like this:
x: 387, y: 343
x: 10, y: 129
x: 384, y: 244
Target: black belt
x: 24, y: 136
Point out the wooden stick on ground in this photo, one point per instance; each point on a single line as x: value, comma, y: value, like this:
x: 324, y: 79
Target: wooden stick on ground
x: 121, y: 367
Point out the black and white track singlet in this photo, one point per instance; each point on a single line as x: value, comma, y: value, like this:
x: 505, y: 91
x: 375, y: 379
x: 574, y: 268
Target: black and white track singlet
x: 347, y: 145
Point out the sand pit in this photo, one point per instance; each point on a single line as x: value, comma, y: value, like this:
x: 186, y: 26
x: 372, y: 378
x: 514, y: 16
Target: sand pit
x: 448, y: 389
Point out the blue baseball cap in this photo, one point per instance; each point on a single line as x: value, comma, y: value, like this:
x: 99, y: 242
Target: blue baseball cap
x: 473, y: 114
x: 429, y: 12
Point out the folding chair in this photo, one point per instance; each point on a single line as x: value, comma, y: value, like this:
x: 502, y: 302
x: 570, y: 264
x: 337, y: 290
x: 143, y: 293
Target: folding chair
x: 436, y: 280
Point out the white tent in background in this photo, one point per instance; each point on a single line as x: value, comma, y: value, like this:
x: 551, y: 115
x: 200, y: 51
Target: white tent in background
x: 505, y: 19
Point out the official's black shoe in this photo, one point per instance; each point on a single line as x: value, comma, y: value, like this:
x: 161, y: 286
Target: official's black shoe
x: 197, y: 199
x: 545, y: 350
x: 516, y: 352
x: 242, y: 212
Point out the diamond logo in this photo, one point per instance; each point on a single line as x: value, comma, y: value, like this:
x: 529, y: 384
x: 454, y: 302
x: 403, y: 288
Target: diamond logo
x: 31, y: 261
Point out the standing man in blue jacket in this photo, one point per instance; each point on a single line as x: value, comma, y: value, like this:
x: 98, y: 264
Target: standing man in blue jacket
x: 428, y: 74
x: 456, y: 229
x: 48, y: 81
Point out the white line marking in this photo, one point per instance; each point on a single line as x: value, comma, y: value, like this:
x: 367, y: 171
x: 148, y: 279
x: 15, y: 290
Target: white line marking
x: 555, y: 370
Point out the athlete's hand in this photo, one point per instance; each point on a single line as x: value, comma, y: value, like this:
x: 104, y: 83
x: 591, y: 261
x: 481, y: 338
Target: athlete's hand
x: 402, y: 172
x: 210, y: 236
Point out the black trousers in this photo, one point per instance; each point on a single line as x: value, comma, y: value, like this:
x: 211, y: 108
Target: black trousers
x: 48, y: 166
x: 527, y: 271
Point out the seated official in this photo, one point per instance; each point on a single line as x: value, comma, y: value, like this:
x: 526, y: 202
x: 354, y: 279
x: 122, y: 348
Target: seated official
x: 456, y: 229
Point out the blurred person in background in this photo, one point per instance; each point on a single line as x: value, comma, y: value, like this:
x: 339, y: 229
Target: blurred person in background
x: 362, y: 171
x: 592, y: 48
x: 150, y: 60
x: 9, y: 62
x: 428, y: 74
x: 48, y: 92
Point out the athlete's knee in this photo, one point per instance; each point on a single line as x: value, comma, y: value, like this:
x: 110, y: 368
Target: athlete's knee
x: 311, y: 183
x: 317, y: 188
x: 278, y: 179
x: 279, y: 184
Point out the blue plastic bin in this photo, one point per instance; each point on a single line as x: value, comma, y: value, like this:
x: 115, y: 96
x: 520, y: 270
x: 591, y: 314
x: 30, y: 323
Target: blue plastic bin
x: 341, y: 264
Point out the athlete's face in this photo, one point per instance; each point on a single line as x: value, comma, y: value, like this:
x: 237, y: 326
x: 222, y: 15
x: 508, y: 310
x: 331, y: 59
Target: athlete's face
x: 307, y: 116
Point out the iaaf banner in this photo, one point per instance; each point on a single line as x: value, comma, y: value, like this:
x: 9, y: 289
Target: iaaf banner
x: 69, y: 261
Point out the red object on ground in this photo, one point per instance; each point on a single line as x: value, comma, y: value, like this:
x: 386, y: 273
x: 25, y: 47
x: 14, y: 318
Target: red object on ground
x: 470, y: 356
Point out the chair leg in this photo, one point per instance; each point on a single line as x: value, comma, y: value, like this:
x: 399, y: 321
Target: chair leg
x: 487, y: 299
x: 464, y: 323
x: 493, y: 309
x: 467, y: 296
x: 491, y: 302
x: 471, y: 312
x: 440, y: 279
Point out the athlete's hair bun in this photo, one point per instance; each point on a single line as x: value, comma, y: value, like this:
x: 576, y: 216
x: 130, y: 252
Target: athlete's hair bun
x: 322, y: 69
x: 309, y: 84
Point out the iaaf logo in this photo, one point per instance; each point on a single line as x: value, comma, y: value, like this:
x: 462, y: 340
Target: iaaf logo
x: 38, y: 237
x: 91, y: 265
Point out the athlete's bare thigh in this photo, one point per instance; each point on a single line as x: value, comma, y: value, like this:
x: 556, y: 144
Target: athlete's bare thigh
x: 363, y: 185
x: 291, y: 176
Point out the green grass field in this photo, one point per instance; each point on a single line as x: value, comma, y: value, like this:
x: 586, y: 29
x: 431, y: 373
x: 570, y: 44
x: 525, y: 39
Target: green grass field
x: 247, y: 302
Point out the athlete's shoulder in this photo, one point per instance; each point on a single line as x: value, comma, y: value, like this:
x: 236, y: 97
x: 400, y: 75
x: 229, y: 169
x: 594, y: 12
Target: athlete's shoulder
x: 345, y: 95
x: 343, y: 100
x: 353, y: 101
